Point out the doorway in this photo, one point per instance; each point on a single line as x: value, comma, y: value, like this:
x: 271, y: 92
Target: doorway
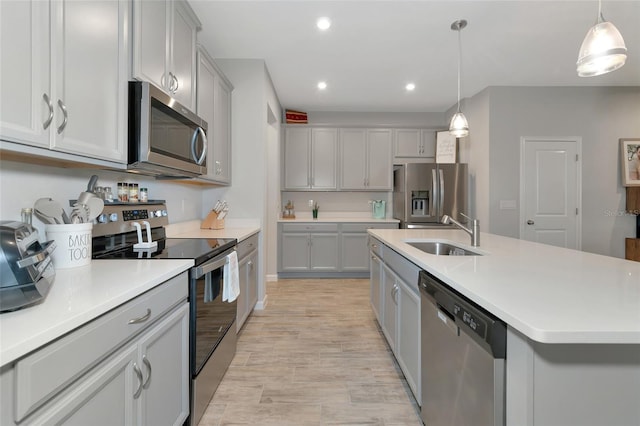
x: 550, y: 191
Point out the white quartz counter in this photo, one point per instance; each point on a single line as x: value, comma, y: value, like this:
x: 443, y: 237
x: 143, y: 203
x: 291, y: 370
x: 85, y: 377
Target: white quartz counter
x: 338, y: 217
x: 550, y: 294
x: 240, y: 231
x: 79, y: 295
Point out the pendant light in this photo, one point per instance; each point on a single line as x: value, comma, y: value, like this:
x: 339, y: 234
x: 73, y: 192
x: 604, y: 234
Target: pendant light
x: 602, y: 50
x: 459, y: 127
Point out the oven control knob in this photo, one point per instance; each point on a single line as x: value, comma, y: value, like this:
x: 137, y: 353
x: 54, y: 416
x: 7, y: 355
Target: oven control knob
x: 102, y: 218
x: 113, y: 217
x: 158, y: 213
x: 164, y: 212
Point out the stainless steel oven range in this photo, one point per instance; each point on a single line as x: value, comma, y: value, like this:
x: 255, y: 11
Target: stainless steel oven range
x: 212, y: 334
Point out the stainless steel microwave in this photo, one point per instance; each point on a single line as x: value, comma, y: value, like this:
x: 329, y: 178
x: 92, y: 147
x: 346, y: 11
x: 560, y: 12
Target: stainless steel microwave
x: 165, y: 138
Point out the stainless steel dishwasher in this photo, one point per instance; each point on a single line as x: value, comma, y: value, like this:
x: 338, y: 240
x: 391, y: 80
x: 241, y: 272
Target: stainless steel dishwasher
x: 463, y: 359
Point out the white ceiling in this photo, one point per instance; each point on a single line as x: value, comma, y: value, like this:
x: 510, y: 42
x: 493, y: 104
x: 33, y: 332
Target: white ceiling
x: 374, y: 48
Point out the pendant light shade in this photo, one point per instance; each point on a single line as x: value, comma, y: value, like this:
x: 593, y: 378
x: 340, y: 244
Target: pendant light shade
x: 459, y: 127
x: 603, y: 49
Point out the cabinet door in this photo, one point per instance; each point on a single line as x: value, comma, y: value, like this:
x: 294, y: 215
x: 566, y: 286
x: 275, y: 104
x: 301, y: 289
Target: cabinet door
x: 182, y: 55
x: 222, y: 131
x: 353, y: 166
x: 206, y: 105
x: 164, y: 361
x: 252, y: 293
x: 24, y: 72
x: 103, y: 397
x: 375, y: 273
x: 324, y: 252
x: 408, y: 347
x: 90, y: 69
x: 324, y: 148
x: 428, y: 138
x: 407, y: 143
x: 355, y: 252
x: 380, y: 159
x: 389, y: 304
x: 295, y: 252
x: 241, y: 301
x: 297, y: 143
x: 151, y: 41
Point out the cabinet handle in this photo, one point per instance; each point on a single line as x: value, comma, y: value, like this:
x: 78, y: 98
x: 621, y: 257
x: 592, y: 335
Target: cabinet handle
x: 147, y: 364
x: 47, y: 100
x: 250, y: 264
x: 64, y: 115
x: 136, y: 370
x: 177, y: 85
x: 373, y: 245
x: 374, y: 258
x: 142, y: 318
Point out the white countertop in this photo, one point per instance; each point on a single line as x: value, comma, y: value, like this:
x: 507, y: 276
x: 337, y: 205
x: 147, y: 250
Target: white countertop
x: 191, y: 229
x: 79, y: 295
x: 337, y: 217
x: 550, y: 294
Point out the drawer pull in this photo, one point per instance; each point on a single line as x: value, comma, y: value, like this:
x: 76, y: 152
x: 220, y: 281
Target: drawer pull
x: 142, y: 318
x: 136, y: 370
x: 147, y: 364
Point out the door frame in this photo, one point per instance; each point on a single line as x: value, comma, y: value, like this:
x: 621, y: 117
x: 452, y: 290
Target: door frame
x: 532, y: 139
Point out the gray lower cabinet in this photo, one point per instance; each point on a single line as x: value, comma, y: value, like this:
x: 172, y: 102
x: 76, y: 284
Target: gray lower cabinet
x: 109, y: 371
x: 325, y: 249
x: 248, y: 270
x: 395, y: 300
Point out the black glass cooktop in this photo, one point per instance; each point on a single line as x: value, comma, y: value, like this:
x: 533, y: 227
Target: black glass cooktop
x: 198, y: 249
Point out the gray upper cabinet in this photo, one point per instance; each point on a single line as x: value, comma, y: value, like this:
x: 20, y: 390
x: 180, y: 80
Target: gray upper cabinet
x: 64, y: 84
x: 214, y: 106
x: 414, y: 143
x: 366, y: 159
x: 310, y: 158
x: 164, y: 47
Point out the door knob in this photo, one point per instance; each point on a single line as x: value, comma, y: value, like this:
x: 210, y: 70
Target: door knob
x: 530, y: 222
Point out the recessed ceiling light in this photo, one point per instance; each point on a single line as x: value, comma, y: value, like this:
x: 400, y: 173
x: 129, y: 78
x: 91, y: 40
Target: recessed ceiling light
x: 322, y: 85
x: 323, y: 23
x: 410, y: 87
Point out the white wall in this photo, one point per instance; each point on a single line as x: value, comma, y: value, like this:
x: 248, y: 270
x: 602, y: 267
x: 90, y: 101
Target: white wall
x: 21, y: 184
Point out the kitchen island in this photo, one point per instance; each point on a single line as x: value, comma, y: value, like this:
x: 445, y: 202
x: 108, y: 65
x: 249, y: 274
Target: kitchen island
x: 573, y: 338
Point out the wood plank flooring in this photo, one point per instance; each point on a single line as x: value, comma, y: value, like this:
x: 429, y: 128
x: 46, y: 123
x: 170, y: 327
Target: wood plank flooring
x: 314, y: 356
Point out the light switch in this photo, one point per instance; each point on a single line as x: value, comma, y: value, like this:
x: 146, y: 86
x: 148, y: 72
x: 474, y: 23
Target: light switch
x: 507, y: 204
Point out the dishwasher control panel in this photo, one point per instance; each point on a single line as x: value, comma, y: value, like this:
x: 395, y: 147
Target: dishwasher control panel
x: 473, y: 321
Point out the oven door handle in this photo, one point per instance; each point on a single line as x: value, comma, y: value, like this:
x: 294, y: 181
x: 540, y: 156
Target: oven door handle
x: 207, y: 267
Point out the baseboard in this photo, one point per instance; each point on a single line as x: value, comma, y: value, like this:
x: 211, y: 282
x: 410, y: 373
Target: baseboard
x: 272, y: 277
x: 261, y: 304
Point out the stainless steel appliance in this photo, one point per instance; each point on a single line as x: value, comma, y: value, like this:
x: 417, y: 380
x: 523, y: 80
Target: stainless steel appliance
x: 26, y: 271
x: 424, y: 192
x: 165, y: 138
x: 212, y: 330
x: 463, y: 359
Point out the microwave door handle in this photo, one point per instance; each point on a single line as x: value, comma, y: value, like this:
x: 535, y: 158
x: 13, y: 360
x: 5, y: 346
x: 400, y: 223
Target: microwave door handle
x: 194, y: 139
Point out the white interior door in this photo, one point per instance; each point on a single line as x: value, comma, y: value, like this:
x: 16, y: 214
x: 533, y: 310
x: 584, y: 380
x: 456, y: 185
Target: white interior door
x: 550, y: 188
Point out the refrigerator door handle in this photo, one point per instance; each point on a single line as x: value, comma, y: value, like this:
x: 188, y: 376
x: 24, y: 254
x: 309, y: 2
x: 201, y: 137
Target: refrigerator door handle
x: 434, y: 193
x: 441, y: 195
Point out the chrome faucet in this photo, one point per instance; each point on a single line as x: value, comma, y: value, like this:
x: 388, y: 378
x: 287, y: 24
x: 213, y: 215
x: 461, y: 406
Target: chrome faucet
x: 474, y: 232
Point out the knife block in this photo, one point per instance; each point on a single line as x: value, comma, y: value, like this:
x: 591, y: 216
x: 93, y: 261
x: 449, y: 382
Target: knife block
x: 212, y: 221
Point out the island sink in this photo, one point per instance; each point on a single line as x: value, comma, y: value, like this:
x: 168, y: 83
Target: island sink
x: 441, y: 248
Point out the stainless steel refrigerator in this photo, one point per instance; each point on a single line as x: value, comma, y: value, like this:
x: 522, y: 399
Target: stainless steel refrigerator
x: 422, y: 193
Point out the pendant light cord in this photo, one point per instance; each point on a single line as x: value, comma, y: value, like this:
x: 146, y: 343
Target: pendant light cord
x: 459, y: 65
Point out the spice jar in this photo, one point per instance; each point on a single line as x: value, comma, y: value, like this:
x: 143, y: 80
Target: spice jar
x: 108, y: 195
x: 133, y: 193
x: 144, y: 195
x: 26, y: 215
x: 123, y: 192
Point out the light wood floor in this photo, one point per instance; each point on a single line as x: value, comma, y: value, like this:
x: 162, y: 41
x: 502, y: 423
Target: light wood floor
x: 314, y: 356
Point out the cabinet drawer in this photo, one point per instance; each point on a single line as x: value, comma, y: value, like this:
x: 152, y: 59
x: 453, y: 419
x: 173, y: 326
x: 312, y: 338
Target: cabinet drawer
x: 247, y: 246
x: 362, y: 227
x: 406, y: 270
x: 376, y: 246
x: 310, y: 227
x: 43, y: 373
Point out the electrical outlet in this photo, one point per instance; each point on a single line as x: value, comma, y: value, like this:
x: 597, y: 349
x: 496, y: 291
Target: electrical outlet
x: 310, y: 203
